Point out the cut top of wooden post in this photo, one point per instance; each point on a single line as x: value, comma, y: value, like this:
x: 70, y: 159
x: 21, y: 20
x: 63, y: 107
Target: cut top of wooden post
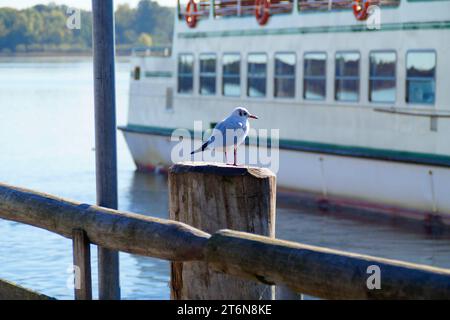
x: 214, y: 196
x: 221, y: 169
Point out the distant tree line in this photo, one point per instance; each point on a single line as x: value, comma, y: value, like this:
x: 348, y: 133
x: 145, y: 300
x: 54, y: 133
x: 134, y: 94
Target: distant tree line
x: 42, y: 28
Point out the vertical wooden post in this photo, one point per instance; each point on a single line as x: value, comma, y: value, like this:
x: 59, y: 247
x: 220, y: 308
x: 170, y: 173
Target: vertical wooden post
x: 105, y: 136
x: 212, y: 197
x: 82, y: 264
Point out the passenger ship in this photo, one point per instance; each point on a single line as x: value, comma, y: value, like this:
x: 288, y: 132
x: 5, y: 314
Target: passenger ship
x: 363, y: 109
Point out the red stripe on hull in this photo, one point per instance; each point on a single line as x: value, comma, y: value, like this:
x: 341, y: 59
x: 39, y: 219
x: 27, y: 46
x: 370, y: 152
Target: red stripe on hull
x: 341, y: 206
x: 152, y: 168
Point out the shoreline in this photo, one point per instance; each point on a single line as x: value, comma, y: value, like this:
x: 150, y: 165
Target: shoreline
x: 58, y: 54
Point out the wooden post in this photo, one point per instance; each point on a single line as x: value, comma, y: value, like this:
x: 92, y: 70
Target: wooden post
x: 82, y: 264
x: 212, y: 197
x: 105, y: 136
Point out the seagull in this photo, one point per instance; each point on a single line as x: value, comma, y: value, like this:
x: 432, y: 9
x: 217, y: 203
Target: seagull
x: 236, y: 124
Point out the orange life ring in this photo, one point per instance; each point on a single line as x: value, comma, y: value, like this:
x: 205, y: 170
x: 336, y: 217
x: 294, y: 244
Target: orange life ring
x: 191, y: 14
x: 262, y: 14
x: 360, y: 9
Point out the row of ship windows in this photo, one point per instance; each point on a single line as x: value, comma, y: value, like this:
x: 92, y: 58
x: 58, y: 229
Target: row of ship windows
x: 420, y: 75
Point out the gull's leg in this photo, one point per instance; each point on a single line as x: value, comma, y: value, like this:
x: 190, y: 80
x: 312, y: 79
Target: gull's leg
x: 235, y: 155
x: 226, y: 158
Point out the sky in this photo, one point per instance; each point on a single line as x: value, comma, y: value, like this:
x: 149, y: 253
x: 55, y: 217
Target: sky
x: 83, y: 4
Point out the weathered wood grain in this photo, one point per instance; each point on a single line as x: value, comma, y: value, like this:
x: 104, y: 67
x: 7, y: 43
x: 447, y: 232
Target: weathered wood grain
x: 215, y: 196
x: 12, y: 291
x: 317, y: 271
x: 122, y: 231
x: 82, y: 263
x: 322, y: 272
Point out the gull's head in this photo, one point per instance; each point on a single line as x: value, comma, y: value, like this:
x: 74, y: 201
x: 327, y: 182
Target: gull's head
x: 243, y: 113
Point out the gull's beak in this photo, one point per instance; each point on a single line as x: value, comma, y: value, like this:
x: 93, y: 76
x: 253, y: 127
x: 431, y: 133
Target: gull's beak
x: 252, y: 116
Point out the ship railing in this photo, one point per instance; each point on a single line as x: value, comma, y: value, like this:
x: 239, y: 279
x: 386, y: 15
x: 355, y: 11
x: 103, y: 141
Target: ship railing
x: 199, y: 13
x: 160, y: 51
x: 316, y: 271
x: 227, y: 8
x: 307, y: 5
x: 203, y: 9
x: 236, y: 7
x: 247, y: 7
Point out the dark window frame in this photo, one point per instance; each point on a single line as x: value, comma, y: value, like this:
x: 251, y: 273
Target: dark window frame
x: 282, y: 76
x: 255, y: 76
x: 315, y: 78
x: 208, y: 75
x: 185, y: 75
x: 420, y: 78
x: 231, y: 75
x: 347, y: 78
x: 386, y: 78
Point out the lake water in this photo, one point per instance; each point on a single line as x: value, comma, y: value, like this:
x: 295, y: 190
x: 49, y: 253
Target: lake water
x: 47, y: 140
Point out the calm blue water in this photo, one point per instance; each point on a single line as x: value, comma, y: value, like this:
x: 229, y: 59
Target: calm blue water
x: 46, y: 143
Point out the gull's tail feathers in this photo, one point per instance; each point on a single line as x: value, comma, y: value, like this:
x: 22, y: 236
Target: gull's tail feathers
x: 203, y: 147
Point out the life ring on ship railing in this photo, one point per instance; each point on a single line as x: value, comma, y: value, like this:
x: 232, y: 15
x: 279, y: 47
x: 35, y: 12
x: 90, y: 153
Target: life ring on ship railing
x: 262, y: 13
x: 360, y: 9
x: 191, y: 14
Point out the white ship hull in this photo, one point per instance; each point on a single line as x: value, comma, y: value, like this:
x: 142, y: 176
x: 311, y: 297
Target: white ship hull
x: 400, y: 189
x: 376, y: 140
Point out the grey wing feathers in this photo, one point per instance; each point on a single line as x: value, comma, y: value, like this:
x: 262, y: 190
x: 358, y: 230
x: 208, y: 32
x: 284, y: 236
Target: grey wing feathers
x: 222, y: 127
x: 228, y: 124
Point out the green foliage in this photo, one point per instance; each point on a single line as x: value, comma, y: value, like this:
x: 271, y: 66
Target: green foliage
x: 145, y: 39
x: 43, y: 28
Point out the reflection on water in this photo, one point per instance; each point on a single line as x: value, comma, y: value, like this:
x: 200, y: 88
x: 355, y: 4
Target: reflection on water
x: 46, y: 136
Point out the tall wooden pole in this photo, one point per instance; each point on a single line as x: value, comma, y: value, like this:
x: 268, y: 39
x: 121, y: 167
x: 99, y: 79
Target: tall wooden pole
x: 105, y: 136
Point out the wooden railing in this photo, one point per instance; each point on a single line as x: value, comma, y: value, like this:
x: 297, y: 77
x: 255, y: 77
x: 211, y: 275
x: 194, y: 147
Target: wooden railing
x: 306, y: 269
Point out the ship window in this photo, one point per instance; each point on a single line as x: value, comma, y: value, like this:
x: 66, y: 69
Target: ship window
x: 382, y: 76
x: 257, y: 74
x: 314, y: 76
x: 346, y: 84
x: 231, y: 76
x: 208, y: 74
x: 421, y: 77
x: 284, y: 85
x: 185, y: 73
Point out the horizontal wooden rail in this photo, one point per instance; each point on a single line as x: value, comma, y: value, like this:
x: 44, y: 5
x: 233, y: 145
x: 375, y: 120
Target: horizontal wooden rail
x: 113, y: 229
x: 317, y: 271
x: 12, y: 291
x: 322, y: 272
